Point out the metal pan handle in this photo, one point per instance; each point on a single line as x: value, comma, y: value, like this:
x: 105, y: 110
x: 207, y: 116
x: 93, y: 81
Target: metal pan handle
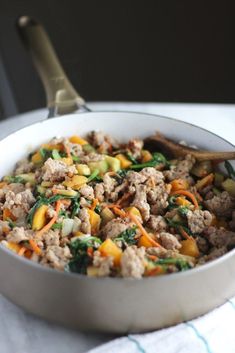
x: 62, y: 97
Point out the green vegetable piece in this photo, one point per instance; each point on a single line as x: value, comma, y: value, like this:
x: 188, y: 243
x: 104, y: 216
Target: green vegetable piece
x: 55, y: 154
x: 113, y: 163
x: 93, y: 175
x: 88, y: 148
x: 128, y: 236
x: 157, y: 159
x: 229, y: 186
x: 218, y: 179
x: 57, y: 226
x: 75, y: 158
x: 14, y: 179
x: 183, y: 210
x: 102, y: 166
x: 131, y: 158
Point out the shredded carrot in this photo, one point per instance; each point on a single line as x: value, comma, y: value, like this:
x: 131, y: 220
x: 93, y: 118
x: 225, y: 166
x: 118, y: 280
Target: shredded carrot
x: 188, y: 194
x: 143, y: 231
x: 90, y: 251
x: 52, y: 221
x: 184, y: 233
x: 123, y: 198
x: 94, y: 204
x: 34, y: 246
x: 152, y: 257
x: 22, y: 251
x: 158, y: 270
x: 119, y: 212
x: 67, y: 150
x: 7, y: 214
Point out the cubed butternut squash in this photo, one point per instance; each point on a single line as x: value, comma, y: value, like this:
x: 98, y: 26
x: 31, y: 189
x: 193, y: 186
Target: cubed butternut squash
x: 37, y: 158
x: 182, y: 201
x: 76, y: 182
x: 78, y: 140
x: 179, y: 184
x: 7, y: 214
x: 189, y: 248
x: 39, y: 218
x: 109, y: 248
x: 133, y: 210
x: 125, y: 163
x: 146, y: 156
x: 83, y: 169
x: 145, y: 241
x: 13, y: 247
x: 67, y: 160
x: 94, y: 221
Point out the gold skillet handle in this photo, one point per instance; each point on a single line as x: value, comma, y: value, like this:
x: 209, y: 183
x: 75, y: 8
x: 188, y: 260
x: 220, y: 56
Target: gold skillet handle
x: 62, y: 97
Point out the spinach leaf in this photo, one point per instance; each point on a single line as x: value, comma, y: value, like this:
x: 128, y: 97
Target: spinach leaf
x: 171, y: 202
x: 181, y: 264
x: 229, y: 169
x: 98, y: 209
x: 183, y: 210
x: 122, y: 173
x: 80, y: 259
x: 75, y: 206
x: 158, y: 158
x: 57, y: 226
x: 177, y: 226
x: 93, y: 175
x: 128, y: 236
x: 75, y: 158
x: 131, y: 158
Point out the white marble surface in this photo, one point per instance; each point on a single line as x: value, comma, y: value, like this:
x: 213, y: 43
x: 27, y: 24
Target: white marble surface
x: 21, y: 332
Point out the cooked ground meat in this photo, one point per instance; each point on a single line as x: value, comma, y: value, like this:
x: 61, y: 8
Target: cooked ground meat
x: 181, y: 169
x: 87, y: 191
x: 56, y: 170
x: 169, y: 241
x: 221, y: 205
x: 52, y: 238
x: 85, y: 221
x: 57, y: 257
x: 135, y: 146
x: 198, y: 220
x: 132, y: 262
x: 103, y: 264
x: 157, y: 223
x: 219, y: 237
x: 158, y: 199
x: 140, y: 201
x: 113, y: 228
x: 18, y: 234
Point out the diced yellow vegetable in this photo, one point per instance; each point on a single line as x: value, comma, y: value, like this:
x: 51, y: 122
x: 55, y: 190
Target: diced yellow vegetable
x: 13, y: 246
x: 179, y: 184
x: 78, y: 140
x: 39, y: 218
x: 182, y: 201
x: 207, y: 180
x: 229, y: 186
x: 94, y: 221
x: 37, y: 158
x: 92, y: 271
x: 106, y: 215
x: 76, y: 182
x: 67, y: 160
x: 50, y: 147
x: 66, y: 192
x: 2, y: 184
x: 46, y: 184
x: 146, y: 156
x: 83, y: 169
x: 109, y: 248
x: 78, y: 234
x: 189, y: 248
x: 113, y: 163
x: 125, y: 163
x: 133, y: 210
x: 144, y: 241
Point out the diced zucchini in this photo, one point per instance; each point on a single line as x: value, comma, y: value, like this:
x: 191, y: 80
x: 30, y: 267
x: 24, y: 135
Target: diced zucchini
x: 229, y: 186
x: 41, y: 190
x: 88, y: 148
x: 201, y: 169
x: 83, y: 169
x: 106, y: 215
x: 71, y: 193
x: 28, y: 178
x: 219, y: 178
x: 102, y: 166
x: 113, y: 163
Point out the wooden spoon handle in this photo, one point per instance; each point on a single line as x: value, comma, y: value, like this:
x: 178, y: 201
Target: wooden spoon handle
x: 212, y: 156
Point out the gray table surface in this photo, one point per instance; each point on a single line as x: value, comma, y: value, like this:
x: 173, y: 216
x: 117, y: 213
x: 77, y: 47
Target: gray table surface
x: 21, y: 332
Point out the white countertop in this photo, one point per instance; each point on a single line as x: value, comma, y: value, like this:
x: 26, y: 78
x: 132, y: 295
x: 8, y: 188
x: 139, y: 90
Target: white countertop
x: 21, y: 332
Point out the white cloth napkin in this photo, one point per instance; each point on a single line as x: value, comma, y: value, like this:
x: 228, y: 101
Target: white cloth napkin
x: 211, y: 333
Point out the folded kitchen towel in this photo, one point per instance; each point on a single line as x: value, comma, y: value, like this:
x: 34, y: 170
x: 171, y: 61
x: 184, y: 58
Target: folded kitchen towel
x: 211, y: 333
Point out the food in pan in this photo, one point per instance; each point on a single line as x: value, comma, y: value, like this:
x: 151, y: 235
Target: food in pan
x: 102, y: 208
